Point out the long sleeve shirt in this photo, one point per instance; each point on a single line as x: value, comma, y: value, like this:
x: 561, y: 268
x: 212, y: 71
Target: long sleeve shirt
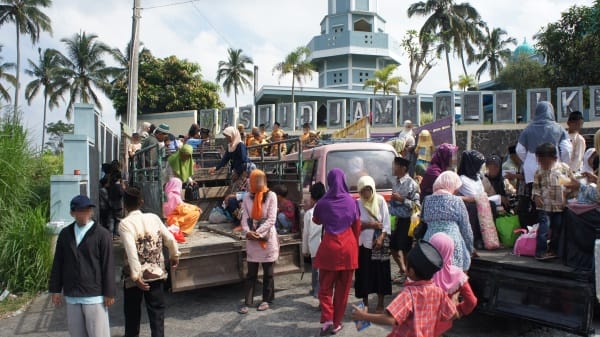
x: 311, y: 235
x: 264, y: 228
x: 578, y: 143
x: 238, y: 159
x: 409, y: 189
x: 143, y: 236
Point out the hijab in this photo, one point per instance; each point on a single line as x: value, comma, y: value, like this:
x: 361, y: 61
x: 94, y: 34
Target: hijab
x: 447, y: 183
x: 399, y: 144
x: 173, y: 195
x: 236, y: 138
x: 450, y: 278
x: 425, y: 139
x: 183, y: 169
x: 337, y: 210
x: 497, y: 182
x: 371, y: 204
x: 543, y: 129
x: 470, y: 164
x: 440, y: 162
x: 259, y: 193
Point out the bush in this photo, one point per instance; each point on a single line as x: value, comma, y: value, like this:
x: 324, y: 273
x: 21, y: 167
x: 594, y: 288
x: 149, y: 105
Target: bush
x: 25, y: 255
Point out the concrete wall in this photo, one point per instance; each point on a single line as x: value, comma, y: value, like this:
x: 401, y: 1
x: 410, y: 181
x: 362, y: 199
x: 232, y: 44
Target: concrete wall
x: 179, y: 121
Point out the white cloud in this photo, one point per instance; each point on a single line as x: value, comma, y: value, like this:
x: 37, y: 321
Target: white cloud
x: 266, y: 30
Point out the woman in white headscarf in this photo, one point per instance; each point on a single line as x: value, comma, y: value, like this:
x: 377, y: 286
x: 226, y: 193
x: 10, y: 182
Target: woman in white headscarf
x: 237, y: 154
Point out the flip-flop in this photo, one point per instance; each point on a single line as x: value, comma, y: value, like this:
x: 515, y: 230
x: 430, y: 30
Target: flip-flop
x: 263, y: 306
x: 326, y: 330
x: 336, y: 330
x: 243, y: 310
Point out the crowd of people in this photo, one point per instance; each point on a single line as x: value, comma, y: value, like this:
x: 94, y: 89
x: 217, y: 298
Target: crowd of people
x: 547, y: 178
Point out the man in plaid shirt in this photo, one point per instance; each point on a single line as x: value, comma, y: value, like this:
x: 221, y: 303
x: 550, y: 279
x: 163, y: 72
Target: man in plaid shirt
x: 550, y: 198
x: 417, y: 309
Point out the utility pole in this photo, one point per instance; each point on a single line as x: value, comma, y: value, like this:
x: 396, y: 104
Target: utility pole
x: 132, y: 93
x: 255, y: 75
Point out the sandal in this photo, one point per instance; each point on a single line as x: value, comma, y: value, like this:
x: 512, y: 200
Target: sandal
x: 263, y: 306
x: 327, y: 329
x: 243, y: 310
x: 336, y: 330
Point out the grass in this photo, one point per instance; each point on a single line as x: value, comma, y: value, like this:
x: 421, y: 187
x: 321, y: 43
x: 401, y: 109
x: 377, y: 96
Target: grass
x: 12, y: 304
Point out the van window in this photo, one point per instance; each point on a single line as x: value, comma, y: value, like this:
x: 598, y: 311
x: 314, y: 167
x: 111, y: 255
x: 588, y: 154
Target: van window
x: 357, y: 163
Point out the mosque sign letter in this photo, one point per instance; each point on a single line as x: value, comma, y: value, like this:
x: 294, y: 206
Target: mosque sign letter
x: 266, y: 115
x: 307, y: 113
x: 208, y: 119
x: 246, y: 117
x: 384, y: 111
x: 336, y: 114
x: 359, y: 108
x: 569, y: 99
x: 443, y: 105
x: 595, y: 102
x: 410, y: 109
x: 227, y: 117
x: 286, y: 116
x: 534, y: 96
x: 504, y: 106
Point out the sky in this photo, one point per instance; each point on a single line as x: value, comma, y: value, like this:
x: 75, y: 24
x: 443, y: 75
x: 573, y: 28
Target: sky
x: 266, y: 30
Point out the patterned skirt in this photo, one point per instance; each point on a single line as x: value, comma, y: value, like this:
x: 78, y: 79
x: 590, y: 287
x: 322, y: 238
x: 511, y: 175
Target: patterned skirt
x: 462, y: 256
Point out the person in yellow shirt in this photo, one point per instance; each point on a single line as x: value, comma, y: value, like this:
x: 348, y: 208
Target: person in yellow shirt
x: 256, y: 139
x: 305, y: 137
x: 277, y: 135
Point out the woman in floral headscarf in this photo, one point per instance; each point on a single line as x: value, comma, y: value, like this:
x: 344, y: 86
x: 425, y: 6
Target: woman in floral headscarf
x: 262, y: 246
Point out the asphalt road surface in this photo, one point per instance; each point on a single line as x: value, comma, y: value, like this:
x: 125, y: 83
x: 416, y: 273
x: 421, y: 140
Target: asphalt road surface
x: 212, y: 312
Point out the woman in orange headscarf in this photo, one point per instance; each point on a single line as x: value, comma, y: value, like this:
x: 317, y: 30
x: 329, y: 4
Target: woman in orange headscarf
x: 262, y: 246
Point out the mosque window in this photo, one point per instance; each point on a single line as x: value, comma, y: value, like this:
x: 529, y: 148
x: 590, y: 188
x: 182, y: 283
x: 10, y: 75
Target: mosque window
x: 362, y: 25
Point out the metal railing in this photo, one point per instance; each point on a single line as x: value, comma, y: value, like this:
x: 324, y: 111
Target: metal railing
x: 145, y: 172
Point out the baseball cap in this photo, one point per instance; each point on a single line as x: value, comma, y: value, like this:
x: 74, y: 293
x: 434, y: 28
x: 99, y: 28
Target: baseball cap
x: 81, y: 202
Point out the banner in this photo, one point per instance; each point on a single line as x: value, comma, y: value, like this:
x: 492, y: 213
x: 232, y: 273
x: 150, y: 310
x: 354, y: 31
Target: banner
x: 384, y: 111
x: 534, y: 96
x: 410, y: 109
x: 286, y: 116
x: 505, y: 106
x: 336, y: 114
x: 246, y: 117
x: 568, y: 99
x: 266, y: 115
x: 307, y: 113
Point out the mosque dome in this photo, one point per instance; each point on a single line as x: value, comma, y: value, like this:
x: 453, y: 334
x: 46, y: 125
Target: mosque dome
x: 524, y: 49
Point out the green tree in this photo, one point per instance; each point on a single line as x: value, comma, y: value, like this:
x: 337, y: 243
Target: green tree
x: 168, y: 84
x: 494, y: 53
x: 123, y: 58
x: 297, y: 64
x: 521, y: 74
x: 453, y: 23
x: 234, y: 74
x: 466, y: 82
x: 46, y: 78
x: 571, y: 47
x: 5, y: 76
x: 57, y: 132
x: 420, y: 57
x: 29, y: 19
x: 383, y: 80
x: 84, y: 70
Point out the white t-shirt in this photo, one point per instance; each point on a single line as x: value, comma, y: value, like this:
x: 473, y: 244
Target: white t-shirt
x: 470, y: 187
x: 311, y: 235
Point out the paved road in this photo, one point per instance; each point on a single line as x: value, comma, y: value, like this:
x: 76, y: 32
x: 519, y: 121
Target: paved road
x: 211, y: 313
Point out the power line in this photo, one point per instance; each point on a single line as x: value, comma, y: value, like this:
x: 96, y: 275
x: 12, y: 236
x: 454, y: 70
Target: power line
x: 171, y: 4
x: 211, y: 25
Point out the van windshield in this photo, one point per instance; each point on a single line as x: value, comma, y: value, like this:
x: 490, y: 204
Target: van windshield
x: 357, y: 163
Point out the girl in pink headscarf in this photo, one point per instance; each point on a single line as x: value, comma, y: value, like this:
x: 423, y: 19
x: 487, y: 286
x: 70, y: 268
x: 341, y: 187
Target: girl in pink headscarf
x: 176, y: 211
x: 452, y: 280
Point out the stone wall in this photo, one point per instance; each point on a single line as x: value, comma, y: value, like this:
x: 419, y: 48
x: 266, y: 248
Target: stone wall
x: 494, y: 141
x: 461, y: 139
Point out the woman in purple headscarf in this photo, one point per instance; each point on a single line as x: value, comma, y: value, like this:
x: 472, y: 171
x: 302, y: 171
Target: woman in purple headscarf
x: 337, y: 257
x: 440, y: 162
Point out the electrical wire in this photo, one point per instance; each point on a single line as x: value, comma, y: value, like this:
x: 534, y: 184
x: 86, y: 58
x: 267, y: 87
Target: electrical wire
x: 171, y: 4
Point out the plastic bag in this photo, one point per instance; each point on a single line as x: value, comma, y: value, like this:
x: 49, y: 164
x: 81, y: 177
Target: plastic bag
x: 415, y: 220
x: 219, y: 215
x: 177, y: 233
x: 526, y: 243
x: 506, y: 226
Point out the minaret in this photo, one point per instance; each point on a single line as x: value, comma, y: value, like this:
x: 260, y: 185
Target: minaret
x: 352, y: 45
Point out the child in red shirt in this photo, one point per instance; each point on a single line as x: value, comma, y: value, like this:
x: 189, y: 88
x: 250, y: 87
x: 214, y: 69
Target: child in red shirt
x: 416, y: 311
x: 286, y: 211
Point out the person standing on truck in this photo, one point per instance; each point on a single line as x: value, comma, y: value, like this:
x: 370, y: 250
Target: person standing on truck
x: 445, y: 212
x: 237, y: 154
x: 262, y: 246
x: 373, y: 275
x: 257, y: 139
x: 311, y: 235
x: 181, y: 165
x: 143, y: 236
x: 278, y: 135
x: 440, y: 162
x: 452, y: 280
x: 425, y: 148
x: 154, y: 139
x: 550, y: 197
x: 84, y: 272
x: 337, y: 257
x: 405, y: 196
x: 135, y: 144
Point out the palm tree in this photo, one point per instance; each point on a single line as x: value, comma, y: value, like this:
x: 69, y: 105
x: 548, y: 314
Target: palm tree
x: 45, y: 76
x: 297, y: 64
x: 466, y: 82
x: 123, y: 59
x: 29, y: 20
x: 494, y: 52
x: 449, y: 21
x: 4, y: 75
x: 234, y: 73
x: 383, y: 80
x: 84, y: 70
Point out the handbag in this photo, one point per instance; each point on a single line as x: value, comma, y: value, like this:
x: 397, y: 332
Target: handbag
x: 526, y: 243
x: 415, y: 219
x: 506, y: 226
x: 486, y: 222
x: 192, y: 192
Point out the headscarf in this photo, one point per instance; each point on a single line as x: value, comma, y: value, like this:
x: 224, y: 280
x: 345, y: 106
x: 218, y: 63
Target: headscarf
x: 173, y: 195
x: 259, y: 194
x: 399, y: 144
x: 337, y: 210
x: 586, y: 160
x: 543, y: 129
x: 371, y: 204
x: 440, y: 162
x: 425, y: 139
x: 497, y: 182
x: 183, y: 169
x: 470, y: 164
x: 450, y: 278
x: 236, y: 138
x: 447, y: 183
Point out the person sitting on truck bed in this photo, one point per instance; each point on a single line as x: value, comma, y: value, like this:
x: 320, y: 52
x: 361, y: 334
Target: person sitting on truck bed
x: 469, y: 171
x: 177, y: 212
x: 278, y: 135
x: 237, y: 154
x: 286, y: 211
x: 494, y: 182
x: 452, y: 280
x: 440, y: 162
x: 256, y: 139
